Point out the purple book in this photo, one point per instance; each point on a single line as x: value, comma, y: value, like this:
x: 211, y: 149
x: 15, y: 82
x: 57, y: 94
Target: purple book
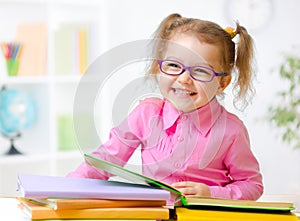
x: 36, y: 186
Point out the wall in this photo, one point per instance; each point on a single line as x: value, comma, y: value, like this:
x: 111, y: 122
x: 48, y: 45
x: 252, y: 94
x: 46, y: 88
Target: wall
x: 133, y: 20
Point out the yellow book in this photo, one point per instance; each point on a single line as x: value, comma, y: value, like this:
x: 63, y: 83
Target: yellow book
x: 38, y: 212
x: 185, y: 214
x: 82, y: 50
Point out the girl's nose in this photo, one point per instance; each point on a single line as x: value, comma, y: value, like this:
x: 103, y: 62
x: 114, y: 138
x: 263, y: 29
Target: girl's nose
x: 185, y: 77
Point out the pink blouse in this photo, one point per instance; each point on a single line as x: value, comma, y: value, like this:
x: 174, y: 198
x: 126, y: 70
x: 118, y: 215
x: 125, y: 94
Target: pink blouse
x: 209, y: 145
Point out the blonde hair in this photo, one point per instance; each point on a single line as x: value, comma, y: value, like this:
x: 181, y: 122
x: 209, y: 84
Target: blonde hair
x: 237, y: 58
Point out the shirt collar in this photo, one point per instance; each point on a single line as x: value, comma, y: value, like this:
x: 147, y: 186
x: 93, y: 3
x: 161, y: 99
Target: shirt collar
x: 203, y: 118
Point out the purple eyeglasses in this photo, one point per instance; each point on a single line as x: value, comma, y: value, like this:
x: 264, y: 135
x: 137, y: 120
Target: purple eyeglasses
x: 198, y: 73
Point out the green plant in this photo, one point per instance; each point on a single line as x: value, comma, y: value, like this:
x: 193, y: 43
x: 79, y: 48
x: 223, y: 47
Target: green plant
x: 286, y: 113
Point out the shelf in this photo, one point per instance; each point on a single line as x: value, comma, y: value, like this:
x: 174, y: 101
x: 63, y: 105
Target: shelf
x: 41, y: 79
x: 25, y: 80
x: 23, y: 158
x: 73, y: 30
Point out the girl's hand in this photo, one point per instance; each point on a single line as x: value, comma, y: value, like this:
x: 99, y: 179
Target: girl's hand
x: 190, y: 188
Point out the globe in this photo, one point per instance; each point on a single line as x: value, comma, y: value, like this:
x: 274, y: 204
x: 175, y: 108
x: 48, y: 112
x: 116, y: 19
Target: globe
x: 17, y: 113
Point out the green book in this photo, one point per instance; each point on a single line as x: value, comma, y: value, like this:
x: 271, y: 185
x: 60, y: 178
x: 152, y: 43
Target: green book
x: 66, y: 137
x: 187, y: 201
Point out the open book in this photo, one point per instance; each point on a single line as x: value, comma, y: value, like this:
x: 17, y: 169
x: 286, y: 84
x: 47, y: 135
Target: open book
x: 186, y: 201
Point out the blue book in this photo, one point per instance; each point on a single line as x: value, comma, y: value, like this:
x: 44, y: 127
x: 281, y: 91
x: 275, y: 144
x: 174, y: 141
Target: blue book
x: 36, y: 186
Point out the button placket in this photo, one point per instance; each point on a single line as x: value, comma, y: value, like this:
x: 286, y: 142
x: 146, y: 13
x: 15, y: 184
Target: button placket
x: 180, y: 137
x: 183, y: 148
x: 179, y: 153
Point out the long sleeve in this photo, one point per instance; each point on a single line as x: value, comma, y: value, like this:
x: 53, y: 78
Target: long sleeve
x: 246, y: 179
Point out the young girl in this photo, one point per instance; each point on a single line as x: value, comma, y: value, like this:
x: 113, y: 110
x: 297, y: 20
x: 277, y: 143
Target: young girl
x: 187, y: 138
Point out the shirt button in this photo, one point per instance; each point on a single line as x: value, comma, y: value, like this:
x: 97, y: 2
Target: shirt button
x: 184, y: 117
x: 180, y: 139
x: 178, y: 165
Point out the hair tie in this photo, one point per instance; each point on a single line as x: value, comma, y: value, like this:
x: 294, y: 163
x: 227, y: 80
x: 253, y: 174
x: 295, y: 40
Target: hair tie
x: 230, y: 31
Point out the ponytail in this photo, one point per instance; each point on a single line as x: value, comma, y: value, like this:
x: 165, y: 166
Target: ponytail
x: 244, y: 63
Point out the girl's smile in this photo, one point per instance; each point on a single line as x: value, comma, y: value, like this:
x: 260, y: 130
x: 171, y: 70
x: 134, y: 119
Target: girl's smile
x: 183, y: 92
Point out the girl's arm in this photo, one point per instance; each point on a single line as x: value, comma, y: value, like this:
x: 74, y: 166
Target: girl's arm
x: 246, y: 179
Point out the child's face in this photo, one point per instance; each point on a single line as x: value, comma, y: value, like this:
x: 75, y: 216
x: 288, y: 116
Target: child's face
x: 185, y: 93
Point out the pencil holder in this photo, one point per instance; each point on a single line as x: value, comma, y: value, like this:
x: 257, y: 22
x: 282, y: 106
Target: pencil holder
x: 12, y: 66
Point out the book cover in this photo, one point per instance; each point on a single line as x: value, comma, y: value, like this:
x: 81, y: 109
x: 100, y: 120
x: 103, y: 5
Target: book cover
x: 63, y: 204
x: 185, y: 201
x: 66, y: 137
x: 82, y: 50
x: 33, y: 37
x: 36, y: 186
x: 64, y: 49
x: 186, y: 214
x: 37, y: 212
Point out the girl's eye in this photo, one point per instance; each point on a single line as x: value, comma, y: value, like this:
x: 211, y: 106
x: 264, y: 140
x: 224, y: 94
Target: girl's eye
x: 174, y: 65
x: 202, y: 71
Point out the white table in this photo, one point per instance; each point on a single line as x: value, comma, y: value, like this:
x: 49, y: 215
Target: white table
x: 9, y: 210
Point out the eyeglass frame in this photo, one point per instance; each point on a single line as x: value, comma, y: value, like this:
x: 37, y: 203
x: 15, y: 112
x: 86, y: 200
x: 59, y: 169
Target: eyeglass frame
x: 184, y: 67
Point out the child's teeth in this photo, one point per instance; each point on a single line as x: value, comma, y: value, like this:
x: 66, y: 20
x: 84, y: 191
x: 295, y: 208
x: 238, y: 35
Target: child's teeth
x: 177, y: 91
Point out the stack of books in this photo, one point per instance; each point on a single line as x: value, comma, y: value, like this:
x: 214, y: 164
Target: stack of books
x: 145, y: 198
x: 50, y: 197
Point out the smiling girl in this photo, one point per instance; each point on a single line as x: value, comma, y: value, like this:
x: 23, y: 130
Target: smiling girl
x: 187, y: 138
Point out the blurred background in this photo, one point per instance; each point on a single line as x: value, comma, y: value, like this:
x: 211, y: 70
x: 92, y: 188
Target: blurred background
x: 67, y: 36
